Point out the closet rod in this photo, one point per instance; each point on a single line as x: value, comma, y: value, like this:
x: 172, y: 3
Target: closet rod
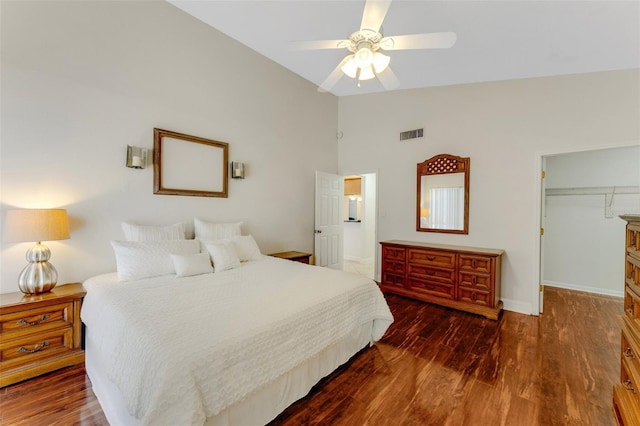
x: 594, y: 190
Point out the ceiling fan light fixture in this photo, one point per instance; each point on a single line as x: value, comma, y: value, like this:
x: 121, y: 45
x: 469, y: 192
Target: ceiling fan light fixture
x: 364, y: 57
x: 380, y: 62
x: 366, y: 73
x: 350, y: 68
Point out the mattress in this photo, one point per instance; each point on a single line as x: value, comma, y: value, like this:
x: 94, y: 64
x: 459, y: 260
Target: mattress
x: 234, y: 347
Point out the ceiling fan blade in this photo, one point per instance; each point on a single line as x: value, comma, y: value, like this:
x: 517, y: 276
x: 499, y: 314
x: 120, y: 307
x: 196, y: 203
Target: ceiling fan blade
x: 419, y: 41
x: 388, y: 79
x: 318, y: 44
x: 374, y: 13
x: 333, y: 78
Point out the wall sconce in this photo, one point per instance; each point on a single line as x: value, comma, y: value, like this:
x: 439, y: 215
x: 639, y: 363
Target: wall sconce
x: 237, y: 170
x: 136, y: 157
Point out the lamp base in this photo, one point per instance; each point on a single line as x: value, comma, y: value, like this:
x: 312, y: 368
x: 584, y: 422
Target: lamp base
x: 39, y: 276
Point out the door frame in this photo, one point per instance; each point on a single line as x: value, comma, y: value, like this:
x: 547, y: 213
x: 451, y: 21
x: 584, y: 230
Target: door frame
x: 539, y: 220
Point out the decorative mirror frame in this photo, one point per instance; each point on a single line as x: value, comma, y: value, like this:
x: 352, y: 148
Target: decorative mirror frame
x: 163, y: 185
x: 438, y: 165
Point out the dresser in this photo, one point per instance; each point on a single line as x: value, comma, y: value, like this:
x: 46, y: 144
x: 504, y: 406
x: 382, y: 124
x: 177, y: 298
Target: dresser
x: 296, y: 256
x: 626, y: 394
x: 40, y: 333
x: 458, y: 277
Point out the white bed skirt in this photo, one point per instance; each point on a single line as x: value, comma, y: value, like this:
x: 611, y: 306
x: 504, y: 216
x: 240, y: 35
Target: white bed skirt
x: 260, y: 407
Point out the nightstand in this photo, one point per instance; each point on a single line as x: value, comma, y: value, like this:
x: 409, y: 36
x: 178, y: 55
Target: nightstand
x: 296, y: 256
x: 40, y: 333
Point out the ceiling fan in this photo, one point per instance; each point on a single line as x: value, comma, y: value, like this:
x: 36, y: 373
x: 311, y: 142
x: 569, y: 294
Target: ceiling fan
x: 365, y: 60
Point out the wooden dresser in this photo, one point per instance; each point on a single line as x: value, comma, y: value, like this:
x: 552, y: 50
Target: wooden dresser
x: 626, y: 394
x: 39, y: 334
x: 463, y: 278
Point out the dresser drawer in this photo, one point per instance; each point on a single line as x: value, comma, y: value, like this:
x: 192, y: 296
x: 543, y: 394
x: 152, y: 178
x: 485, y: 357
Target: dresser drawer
x: 629, y: 349
x: 392, y: 280
x: 442, y: 259
x: 427, y: 273
x: 633, y: 239
x: 477, y: 297
x: 394, y: 253
x: 445, y: 291
x: 632, y: 306
x: 629, y: 378
x: 393, y: 267
x: 36, y: 319
x: 475, y: 263
x: 475, y: 281
x: 31, y: 347
x: 632, y: 271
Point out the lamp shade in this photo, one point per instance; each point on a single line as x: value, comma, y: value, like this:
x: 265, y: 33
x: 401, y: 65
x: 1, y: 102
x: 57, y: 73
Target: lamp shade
x: 36, y: 225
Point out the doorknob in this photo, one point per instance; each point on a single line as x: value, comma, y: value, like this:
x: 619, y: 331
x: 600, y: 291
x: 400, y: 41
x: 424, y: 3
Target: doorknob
x: 318, y: 231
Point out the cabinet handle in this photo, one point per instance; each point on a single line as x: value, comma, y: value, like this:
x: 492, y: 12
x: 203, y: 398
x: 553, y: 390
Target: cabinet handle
x: 629, y: 386
x: 432, y: 258
x: 628, y: 353
x: 473, y: 280
x: 473, y: 297
x: 36, y: 348
x: 429, y: 272
x: 631, y: 308
x: 473, y: 263
x: 32, y: 323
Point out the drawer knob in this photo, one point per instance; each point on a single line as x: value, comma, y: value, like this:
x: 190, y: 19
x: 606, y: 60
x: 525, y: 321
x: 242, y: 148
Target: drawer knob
x: 32, y: 323
x: 430, y: 272
x: 36, y: 348
x: 473, y: 297
x: 432, y: 258
x: 473, y: 280
x: 628, y: 353
x: 473, y: 263
x: 629, y: 386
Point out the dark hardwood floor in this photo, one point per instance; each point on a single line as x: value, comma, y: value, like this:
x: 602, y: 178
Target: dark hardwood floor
x: 435, y: 366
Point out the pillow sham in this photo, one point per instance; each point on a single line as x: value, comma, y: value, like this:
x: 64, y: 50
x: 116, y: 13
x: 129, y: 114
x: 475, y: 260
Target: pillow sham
x: 246, y: 248
x: 215, y: 231
x: 136, y: 260
x: 223, y: 254
x: 191, y: 264
x: 134, y: 232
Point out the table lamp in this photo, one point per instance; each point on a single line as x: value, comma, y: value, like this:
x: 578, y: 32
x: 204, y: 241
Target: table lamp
x: 39, y: 276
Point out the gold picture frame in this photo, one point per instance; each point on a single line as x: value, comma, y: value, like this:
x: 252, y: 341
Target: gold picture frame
x: 189, y: 165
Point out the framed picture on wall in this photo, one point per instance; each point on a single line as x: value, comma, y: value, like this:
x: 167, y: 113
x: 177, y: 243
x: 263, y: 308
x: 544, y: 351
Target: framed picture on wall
x: 189, y: 165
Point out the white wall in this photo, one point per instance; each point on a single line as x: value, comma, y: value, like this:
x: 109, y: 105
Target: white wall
x: 582, y: 247
x: 81, y: 80
x: 504, y: 127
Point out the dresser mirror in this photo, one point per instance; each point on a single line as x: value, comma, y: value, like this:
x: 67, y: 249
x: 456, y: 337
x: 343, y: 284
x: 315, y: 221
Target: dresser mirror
x: 443, y: 195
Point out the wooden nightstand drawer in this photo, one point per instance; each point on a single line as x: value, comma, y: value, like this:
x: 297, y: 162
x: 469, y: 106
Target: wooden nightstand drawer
x: 40, y: 333
x: 475, y: 263
x: 35, y: 320
x: 32, y: 347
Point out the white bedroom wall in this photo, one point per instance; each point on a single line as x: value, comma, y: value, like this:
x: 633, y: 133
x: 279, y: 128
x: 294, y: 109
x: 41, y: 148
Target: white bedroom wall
x: 81, y: 80
x: 504, y: 127
x: 582, y: 246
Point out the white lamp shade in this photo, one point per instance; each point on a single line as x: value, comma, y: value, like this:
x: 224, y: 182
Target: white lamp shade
x: 380, y: 62
x: 364, y: 57
x: 367, y: 73
x: 36, y: 225
x: 350, y: 68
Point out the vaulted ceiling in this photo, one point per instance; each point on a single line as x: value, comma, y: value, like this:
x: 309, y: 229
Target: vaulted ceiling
x: 496, y: 40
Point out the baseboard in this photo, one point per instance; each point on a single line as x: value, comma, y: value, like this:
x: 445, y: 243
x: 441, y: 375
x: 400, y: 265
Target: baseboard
x: 595, y: 290
x: 517, y: 306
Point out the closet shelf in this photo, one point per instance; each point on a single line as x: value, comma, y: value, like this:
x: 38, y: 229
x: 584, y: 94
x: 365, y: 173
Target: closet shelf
x: 594, y: 190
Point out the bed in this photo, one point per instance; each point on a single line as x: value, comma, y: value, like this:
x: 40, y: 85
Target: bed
x: 234, y: 347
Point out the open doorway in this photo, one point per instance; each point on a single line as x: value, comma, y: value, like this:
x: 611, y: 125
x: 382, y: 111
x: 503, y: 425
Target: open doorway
x: 582, y: 242
x: 360, y: 206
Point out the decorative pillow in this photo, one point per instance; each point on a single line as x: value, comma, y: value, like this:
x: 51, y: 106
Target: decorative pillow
x: 152, y: 233
x: 246, y: 248
x: 223, y: 254
x: 191, y: 264
x: 215, y: 231
x: 136, y: 260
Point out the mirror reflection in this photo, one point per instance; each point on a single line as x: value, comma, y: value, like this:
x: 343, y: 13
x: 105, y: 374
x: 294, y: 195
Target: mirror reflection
x: 443, y: 195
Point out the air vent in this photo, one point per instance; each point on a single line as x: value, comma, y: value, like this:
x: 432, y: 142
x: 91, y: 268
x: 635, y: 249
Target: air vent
x: 411, y: 134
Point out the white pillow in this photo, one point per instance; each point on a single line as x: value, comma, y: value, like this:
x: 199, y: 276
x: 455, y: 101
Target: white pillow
x: 191, y: 264
x: 152, y: 233
x: 223, y: 254
x: 215, y: 231
x: 136, y: 260
x: 246, y: 248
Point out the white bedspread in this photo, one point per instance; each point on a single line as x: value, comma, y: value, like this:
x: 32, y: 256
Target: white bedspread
x: 183, y: 349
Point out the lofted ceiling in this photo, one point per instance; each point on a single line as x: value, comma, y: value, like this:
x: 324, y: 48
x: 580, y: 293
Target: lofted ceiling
x: 496, y: 40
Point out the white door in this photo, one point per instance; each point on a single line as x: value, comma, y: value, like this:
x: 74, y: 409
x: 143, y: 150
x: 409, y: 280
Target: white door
x: 329, y: 220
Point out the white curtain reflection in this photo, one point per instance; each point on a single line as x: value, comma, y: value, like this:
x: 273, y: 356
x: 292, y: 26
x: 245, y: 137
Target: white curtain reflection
x: 446, y: 208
